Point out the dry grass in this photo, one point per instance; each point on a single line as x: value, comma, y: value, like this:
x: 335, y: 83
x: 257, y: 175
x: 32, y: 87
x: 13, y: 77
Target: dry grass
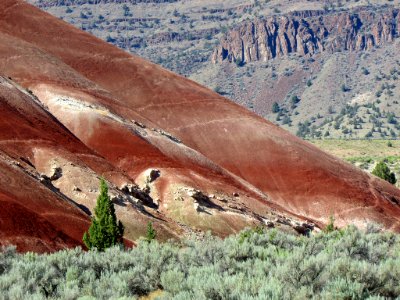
x: 346, y: 149
x: 153, y: 295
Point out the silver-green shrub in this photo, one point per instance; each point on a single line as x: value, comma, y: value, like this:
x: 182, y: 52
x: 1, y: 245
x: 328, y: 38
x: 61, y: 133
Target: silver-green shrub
x: 255, y: 264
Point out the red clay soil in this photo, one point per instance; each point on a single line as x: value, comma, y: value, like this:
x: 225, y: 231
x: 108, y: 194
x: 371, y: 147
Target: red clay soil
x: 35, y: 219
x: 133, y: 154
x: 43, y: 222
x: 32, y: 216
x: 25, y: 126
x: 37, y: 49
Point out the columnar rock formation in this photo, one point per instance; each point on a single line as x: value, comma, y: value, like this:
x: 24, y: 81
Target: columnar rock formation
x: 308, y: 33
x: 47, y: 3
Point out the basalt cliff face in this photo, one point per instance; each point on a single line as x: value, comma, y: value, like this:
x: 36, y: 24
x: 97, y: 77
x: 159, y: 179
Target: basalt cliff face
x: 74, y: 109
x: 308, y: 33
x: 47, y: 3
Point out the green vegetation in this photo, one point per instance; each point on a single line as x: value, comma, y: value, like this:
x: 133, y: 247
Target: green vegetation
x: 105, y: 231
x: 331, y: 225
x: 294, y: 99
x: 344, y: 88
x: 277, y: 10
x: 391, y: 117
x: 256, y: 264
x: 151, y: 233
x: 347, y: 149
x: 365, y: 154
x: 357, y: 120
x: 286, y: 120
x: 365, y: 71
x: 218, y: 90
x: 382, y: 171
x: 239, y: 62
x: 275, y: 108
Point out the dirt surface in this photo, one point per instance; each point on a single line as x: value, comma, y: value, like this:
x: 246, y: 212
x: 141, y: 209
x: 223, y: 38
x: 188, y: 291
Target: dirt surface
x: 33, y: 216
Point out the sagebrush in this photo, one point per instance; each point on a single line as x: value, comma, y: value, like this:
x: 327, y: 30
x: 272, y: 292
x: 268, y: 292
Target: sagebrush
x: 255, y: 264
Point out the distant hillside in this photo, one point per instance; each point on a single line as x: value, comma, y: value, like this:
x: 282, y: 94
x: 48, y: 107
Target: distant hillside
x: 330, y: 66
x: 318, y: 74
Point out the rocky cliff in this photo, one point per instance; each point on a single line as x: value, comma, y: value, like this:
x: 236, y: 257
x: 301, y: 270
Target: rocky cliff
x: 50, y: 3
x: 308, y: 33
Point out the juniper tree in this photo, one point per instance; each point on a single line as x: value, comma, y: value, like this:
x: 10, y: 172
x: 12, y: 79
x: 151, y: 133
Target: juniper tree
x: 275, y: 108
x: 105, y: 231
x: 382, y: 171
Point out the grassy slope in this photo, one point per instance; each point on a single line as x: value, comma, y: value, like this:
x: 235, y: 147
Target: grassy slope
x: 364, y: 153
x: 347, y: 149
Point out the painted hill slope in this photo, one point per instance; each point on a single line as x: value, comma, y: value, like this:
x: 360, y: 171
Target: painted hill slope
x: 192, y: 159
x: 34, y: 215
x: 62, y: 175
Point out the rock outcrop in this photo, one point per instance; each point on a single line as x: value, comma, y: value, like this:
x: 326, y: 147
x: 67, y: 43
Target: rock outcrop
x: 47, y: 3
x: 308, y: 33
